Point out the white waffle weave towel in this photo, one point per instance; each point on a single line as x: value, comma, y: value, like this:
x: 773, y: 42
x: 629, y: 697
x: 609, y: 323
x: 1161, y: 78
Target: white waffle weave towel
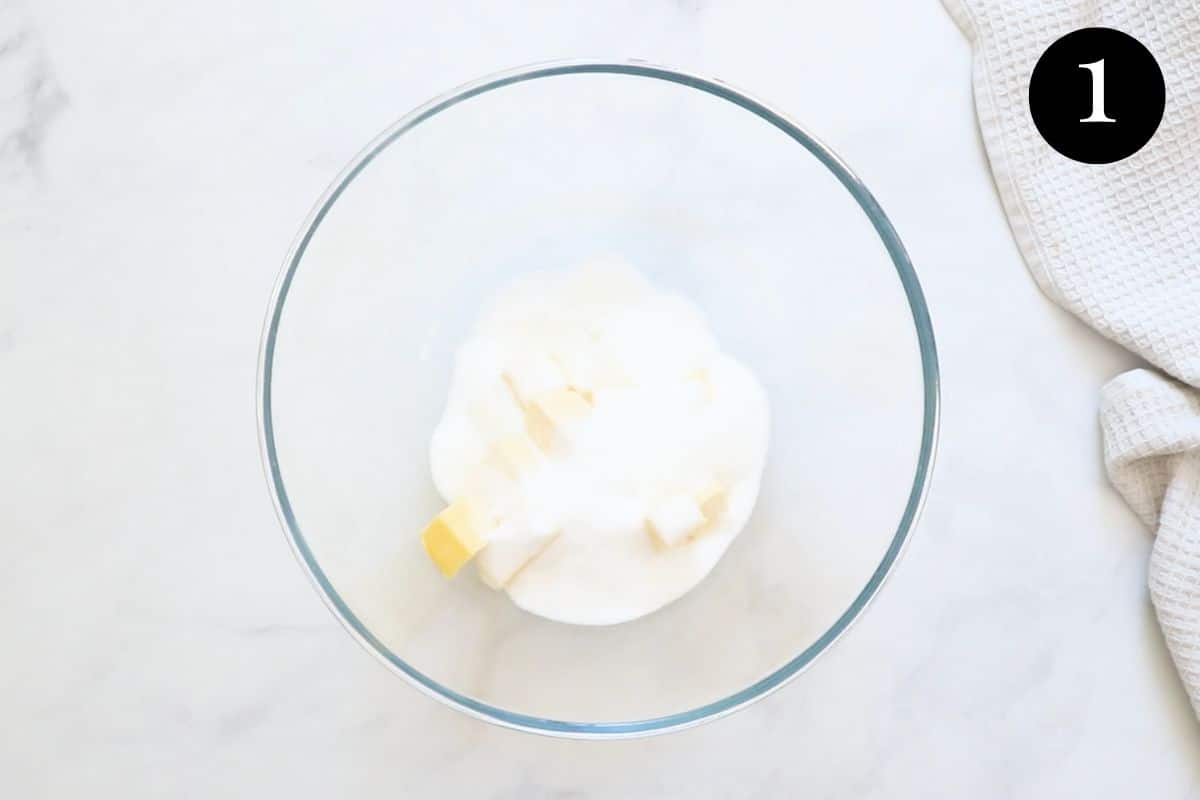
x: 1119, y: 246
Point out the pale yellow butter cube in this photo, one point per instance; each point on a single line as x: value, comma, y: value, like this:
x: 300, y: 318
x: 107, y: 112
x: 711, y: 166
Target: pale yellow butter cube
x: 711, y: 500
x: 673, y: 520
x: 515, y: 456
x: 534, y: 375
x: 452, y: 538
x: 553, y: 418
x: 588, y: 368
x: 681, y: 517
x: 501, y: 560
x: 495, y: 412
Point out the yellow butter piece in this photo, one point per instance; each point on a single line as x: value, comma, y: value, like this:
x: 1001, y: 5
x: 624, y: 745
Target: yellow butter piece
x: 495, y: 412
x: 681, y: 517
x: 673, y: 520
x: 500, y: 561
x: 529, y: 377
x: 451, y: 539
x: 515, y: 456
x: 711, y: 501
x: 588, y: 368
x: 552, y: 417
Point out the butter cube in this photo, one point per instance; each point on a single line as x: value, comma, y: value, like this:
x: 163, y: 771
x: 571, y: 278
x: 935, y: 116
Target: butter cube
x: 529, y: 377
x: 490, y: 490
x: 673, y: 520
x: 553, y: 418
x: 588, y: 367
x: 683, y: 516
x: 495, y: 412
x: 452, y: 538
x: 515, y: 456
x: 711, y: 500
x: 501, y: 560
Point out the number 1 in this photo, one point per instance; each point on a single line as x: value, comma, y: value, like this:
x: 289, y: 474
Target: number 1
x: 1097, y: 70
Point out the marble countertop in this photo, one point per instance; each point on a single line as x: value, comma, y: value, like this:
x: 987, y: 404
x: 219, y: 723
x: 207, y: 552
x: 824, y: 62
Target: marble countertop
x: 160, y: 640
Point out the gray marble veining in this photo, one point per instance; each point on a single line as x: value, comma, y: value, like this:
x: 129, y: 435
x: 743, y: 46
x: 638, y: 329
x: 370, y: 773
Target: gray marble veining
x: 30, y: 96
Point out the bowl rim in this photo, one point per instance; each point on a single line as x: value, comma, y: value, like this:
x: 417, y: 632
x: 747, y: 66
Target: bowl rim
x: 781, y: 675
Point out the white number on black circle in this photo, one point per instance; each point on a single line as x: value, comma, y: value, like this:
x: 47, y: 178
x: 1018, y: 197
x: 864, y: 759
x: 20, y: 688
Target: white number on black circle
x: 1097, y: 70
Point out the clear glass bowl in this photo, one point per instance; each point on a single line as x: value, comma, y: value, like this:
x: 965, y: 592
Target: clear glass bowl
x: 711, y: 193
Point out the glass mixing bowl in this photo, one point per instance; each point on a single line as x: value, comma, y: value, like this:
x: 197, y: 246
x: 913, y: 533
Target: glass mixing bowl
x: 712, y: 194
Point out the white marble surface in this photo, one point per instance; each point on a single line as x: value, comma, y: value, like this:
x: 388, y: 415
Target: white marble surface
x: 155, y: 161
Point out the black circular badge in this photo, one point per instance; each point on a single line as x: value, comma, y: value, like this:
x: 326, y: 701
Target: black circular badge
x: 1097, y: 95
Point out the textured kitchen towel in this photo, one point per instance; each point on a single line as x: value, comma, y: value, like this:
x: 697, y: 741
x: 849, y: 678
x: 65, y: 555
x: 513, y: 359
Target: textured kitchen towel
x: 1117, y: 245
